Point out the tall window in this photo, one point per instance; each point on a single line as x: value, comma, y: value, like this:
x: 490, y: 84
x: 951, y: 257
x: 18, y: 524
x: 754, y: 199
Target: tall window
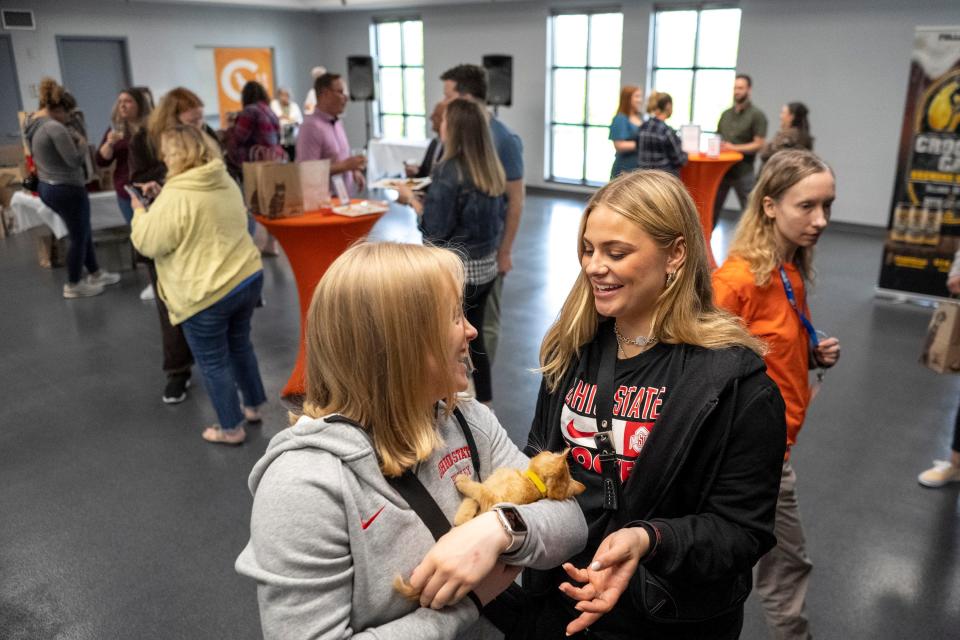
x: 398, y: 51
x: 695, y: 60
x: 585, y: 88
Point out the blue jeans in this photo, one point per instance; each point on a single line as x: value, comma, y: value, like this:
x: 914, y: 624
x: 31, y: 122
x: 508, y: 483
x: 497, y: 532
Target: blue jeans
x: 72, y: 204
x: 219, y: 337
x: 126, y: 209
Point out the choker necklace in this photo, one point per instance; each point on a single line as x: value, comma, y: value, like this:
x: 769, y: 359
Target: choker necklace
x: 639, y: 341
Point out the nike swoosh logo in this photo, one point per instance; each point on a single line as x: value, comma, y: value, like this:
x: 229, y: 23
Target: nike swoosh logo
x: 364, y: 525
x: 574, y: 433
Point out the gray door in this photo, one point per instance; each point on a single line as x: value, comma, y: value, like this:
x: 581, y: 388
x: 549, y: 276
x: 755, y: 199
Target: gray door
x: 10, y: 96
x: 94, y: 70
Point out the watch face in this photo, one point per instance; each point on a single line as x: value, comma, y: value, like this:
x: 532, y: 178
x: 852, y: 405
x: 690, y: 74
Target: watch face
x: 513, y: 517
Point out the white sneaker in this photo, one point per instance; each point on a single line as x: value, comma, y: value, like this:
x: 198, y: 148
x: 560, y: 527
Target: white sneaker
x: 148, y: 293
x: 82, y: 289
x: 940, y: 474
x: 103, y: 278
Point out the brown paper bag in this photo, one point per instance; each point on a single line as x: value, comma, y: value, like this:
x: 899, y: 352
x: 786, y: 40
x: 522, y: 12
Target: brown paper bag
x: 941, y: 351
x: 272, y: 189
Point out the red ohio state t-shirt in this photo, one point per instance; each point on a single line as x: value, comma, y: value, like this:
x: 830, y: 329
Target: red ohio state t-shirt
x: 642, y: 385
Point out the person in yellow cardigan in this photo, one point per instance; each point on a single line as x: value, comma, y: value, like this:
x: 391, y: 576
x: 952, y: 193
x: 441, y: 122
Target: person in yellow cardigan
x: 209, y: 273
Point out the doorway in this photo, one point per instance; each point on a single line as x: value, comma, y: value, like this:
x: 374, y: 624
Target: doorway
x: 94, y: 70
x: 10, y: 102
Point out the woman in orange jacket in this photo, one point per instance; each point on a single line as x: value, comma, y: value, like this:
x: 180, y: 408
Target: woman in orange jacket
x: 764, y: 282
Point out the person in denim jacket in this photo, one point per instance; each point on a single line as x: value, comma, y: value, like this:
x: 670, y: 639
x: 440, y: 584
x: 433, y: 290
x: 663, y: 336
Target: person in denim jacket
x: 465, y: 210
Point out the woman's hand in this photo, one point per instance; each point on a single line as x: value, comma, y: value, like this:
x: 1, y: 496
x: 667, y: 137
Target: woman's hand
x: 607, y: 577
x: 953, y: 285
x: 135, y: 203
x: 827, y: 352
x: 150, y: 189
x: 113, y: 137
x: 460, y: 561
x: 404, y: 194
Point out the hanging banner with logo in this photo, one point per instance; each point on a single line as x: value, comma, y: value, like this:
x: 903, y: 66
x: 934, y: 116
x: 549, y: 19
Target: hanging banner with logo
x: 236, y: 67
x: 924, y: 225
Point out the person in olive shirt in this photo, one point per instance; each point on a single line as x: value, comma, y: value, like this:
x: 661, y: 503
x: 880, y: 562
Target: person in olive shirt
x: 743, y: 128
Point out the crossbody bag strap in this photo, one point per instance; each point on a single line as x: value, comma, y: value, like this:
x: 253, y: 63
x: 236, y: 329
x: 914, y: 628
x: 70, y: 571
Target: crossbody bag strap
x: 604, y: 410
x: 471, y: 443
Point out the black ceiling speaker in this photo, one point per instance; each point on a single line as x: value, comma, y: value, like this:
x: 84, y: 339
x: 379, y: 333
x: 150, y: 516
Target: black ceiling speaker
x: 499, y: 79
x: 360, y: 78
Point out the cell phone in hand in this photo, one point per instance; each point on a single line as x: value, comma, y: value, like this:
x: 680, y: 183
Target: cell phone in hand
x: 136, y: 192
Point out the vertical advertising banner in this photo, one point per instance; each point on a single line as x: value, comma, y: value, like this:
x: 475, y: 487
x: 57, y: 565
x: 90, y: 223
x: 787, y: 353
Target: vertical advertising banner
x: 236, y: 67
x: 924, y: 225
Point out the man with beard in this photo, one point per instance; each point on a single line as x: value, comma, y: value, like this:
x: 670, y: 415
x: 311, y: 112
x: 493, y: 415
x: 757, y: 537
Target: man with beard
x: 743, y: 128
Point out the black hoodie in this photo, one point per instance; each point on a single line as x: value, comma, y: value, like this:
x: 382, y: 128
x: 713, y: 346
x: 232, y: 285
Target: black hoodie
x: 707, y: 479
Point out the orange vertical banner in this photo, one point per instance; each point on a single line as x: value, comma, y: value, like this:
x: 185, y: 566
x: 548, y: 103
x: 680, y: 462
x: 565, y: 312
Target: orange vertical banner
x: 236, y: 67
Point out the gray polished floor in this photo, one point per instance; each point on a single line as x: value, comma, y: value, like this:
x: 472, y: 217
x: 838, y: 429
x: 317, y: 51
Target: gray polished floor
x: 118, y: 522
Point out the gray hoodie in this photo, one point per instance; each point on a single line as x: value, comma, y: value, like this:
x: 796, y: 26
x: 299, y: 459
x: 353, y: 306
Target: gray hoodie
x: 58, y: 158
x: 328, y: 533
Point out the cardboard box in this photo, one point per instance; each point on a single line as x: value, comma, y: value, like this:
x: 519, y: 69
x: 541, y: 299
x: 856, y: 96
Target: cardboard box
x: 51, y: 253
x: 11, y: 155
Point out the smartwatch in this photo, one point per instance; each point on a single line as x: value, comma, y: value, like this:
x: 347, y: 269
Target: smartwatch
x: 512, y: 522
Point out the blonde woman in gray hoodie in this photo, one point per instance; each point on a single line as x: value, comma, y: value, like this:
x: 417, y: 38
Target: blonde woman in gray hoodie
x: 387, y: 355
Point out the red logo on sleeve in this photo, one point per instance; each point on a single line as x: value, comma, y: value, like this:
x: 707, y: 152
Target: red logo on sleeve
x: 367, y: 523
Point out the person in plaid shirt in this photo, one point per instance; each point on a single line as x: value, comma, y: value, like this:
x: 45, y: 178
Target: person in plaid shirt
x: 256, y: 134
x: 658, y: 145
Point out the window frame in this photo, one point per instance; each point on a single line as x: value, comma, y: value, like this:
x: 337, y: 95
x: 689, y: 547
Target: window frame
x: 699, y: 7
x: 552, y: 67
x: 402, y: 67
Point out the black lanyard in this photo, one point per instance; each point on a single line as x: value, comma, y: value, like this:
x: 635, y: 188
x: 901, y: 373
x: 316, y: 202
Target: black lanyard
x: 604, y: 410
x: 788, y: 289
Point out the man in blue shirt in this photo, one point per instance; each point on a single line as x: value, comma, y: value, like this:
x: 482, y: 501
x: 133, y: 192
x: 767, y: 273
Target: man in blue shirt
x: 469, y: 81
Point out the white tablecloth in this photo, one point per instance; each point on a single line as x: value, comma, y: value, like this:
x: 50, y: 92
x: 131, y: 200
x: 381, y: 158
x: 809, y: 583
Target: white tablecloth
x: 385, y: 157
x: 29, y: 212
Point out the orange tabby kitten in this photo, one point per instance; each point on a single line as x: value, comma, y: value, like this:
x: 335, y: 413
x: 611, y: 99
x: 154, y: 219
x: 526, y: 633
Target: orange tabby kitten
x: 547, y: 476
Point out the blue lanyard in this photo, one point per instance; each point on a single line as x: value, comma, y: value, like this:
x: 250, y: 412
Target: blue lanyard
x: 788, y: 288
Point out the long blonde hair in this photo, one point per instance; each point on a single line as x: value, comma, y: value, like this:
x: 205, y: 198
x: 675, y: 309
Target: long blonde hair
x: 184, y: 147
x: 685, y: 314
x: 376, y: 331
x: 468, y: 140
x: 755, y: 239
x: 164, y: 117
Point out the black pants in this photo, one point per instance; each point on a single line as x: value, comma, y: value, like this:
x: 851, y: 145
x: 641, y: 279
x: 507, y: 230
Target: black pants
x: 474, y: 306
x: 741, y: 184
x: 177, y: 358
x: 72, y: 204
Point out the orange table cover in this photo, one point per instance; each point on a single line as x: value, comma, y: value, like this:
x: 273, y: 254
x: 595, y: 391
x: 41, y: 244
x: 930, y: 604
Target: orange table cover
x: 702, y: 175
x: 312, y: 242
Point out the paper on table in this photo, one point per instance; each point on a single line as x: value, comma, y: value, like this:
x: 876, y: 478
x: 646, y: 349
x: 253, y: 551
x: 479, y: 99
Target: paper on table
x: 315, y: 183
x: 690, y: 138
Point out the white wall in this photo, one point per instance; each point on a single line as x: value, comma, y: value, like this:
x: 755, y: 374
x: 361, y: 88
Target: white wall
x: 162, y: 40
x: 847, y: 59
